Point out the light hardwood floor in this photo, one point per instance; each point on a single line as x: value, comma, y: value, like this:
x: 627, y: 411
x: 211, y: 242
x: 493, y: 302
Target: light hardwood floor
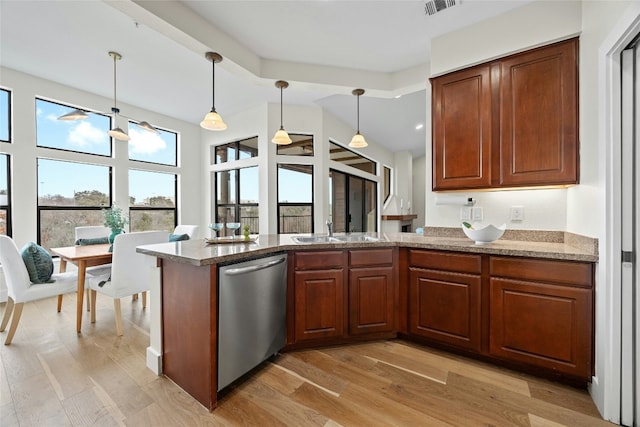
x: 49, y: 376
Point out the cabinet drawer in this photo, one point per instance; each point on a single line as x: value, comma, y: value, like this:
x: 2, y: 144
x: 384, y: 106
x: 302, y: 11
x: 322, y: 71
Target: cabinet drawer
x: 319, y: 260
x: 364, y: 257
x: 578, y: 274
x: 460, y: 263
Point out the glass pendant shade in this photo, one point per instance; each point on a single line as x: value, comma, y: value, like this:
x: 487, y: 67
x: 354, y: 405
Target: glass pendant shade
x: 358, y: 141
x: 213, y: 121
x: 281, y: 137
x: 146, y: 126
x: 119, y: 134
x: 74, y: 115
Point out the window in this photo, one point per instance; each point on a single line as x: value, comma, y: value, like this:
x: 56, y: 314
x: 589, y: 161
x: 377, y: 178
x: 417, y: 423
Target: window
x: 387, y: 183
x: 145, y: 146
x: 5, y: 115
x: 301, y: 145
x: 237, y: 150
x: 84, y: 136
x: 341, y: 154
x: 69, y: 195
x: 237, y: 198
x: 295, y: 198
x: 152, y: 200
x: 5, y: 196
x: 353, y: 203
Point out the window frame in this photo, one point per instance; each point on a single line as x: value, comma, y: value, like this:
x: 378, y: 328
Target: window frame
x: 236, y: 146
x: 237, y: 206
x: 8, y: 207
x: 9, y: 139
x: 133, y: 208
x: 177, y: 142
x: 279, y: 204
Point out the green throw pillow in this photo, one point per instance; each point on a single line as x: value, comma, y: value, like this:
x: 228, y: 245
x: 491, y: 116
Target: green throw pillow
x: 178, y: 237
x: 95, y: 241
x: 38, y: 262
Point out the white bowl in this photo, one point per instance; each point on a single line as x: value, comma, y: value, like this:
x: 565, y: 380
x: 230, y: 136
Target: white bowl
x: 484, y: 234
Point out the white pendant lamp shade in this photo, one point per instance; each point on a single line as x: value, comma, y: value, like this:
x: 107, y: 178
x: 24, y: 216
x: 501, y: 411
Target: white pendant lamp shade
x: 119, y: 134
x: 212, y: 120
x: 281, y: 136
x: 358, y: 140
x: 74, y: 115
x: 146, y: 126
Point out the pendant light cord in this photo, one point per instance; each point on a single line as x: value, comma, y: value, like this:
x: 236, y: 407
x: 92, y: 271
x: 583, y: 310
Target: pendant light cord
x: 115, y: 109
x: 213, y: 85
x: 358, y: 113
x: 281, y: 125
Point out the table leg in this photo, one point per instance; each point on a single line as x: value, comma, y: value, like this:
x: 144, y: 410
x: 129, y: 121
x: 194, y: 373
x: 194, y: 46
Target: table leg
x: 63, y: 268
x: 82, y: 270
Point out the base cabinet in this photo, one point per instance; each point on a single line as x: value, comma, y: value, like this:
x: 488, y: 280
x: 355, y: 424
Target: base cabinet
x: 445, y: 298
x: 541, y: 314
x: 371, y: 291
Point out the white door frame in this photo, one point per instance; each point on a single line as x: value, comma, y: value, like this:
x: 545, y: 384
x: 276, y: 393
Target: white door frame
x: 606, y: 393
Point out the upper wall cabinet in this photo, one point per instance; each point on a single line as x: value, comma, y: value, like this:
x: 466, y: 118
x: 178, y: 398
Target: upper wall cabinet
x: 512, y: 122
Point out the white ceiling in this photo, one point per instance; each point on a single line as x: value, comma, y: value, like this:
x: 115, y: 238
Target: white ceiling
x: 324, y: 48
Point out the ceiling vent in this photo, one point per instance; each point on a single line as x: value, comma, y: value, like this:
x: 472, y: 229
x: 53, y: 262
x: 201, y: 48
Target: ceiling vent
x: 434, y: 6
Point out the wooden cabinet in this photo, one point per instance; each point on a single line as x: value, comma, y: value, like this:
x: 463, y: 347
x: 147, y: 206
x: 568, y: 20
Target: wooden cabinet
x: 541, y: 313
x: 372, y: 278
x: 445, y: 298
x: 319, y: 295
x: 512, y: 122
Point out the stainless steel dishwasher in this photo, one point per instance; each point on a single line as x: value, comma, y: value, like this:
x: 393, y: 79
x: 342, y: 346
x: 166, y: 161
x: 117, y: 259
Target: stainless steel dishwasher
x: 252, y: 311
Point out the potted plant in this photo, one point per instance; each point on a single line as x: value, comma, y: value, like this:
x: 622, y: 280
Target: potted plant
x: 115, y: 219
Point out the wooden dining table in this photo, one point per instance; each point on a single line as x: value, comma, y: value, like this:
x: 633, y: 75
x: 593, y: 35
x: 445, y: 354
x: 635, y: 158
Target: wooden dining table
x: 82, y: 257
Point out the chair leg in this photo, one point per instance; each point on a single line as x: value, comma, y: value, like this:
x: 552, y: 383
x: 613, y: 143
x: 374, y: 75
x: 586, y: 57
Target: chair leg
x: 134, y: 297
x: 92, y: 297
x: 17, y: 312
x: 7, y: 314
x: 144, y: 299
x: 88, y: 304
x: 59, y: 303
x: 116, y: 306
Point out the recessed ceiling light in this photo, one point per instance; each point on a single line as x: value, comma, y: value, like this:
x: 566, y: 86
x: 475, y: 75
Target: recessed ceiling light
x: 419, y: 126
x: 397, y: 96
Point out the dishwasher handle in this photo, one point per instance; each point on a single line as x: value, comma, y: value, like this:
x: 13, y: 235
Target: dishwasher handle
x: 252, y: 268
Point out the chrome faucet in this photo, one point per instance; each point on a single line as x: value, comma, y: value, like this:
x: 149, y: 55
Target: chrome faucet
x: 330, y: 227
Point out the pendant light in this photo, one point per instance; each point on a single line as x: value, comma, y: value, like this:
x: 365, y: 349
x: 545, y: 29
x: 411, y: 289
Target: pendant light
x: 74, y: 115
x: 116, y: 132
x: 281, y: 137
x: 358, y: 140
x: 212, y: 120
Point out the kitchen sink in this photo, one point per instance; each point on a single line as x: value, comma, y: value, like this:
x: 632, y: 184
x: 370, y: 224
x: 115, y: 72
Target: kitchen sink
x: 358, y: 238
x: 315, y: 239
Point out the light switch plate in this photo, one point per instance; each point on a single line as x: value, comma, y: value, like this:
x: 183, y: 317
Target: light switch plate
x: 517, y: 213
x: 477, y: 214
x: 465, y: 214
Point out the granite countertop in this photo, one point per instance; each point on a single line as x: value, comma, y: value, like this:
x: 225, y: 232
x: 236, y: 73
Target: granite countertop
x: 538, y: 244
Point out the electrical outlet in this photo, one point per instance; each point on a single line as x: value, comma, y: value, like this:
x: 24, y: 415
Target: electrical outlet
x: 465, y: 214
x: 517, y: 213
x: 477, y: 214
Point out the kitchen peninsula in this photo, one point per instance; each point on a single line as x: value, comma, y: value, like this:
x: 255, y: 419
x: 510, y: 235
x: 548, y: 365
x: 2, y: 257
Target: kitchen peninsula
x: 525, y: 301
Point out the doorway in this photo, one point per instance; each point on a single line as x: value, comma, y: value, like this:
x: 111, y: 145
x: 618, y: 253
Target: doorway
x: 353, y: 202
x: 629, y: 239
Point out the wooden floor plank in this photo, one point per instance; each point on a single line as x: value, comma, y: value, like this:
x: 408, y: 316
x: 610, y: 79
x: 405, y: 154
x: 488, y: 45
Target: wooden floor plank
x: 52, y: 376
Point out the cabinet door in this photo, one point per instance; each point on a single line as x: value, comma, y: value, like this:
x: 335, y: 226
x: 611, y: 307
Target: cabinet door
x: 461, y: 110
x: 371, y: 303
x: 445, y: 307
x: 319, y: 304
x: 539, y: 116
x: 542, y: 324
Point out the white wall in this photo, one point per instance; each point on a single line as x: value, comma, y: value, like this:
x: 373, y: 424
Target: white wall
x: 25, y: 88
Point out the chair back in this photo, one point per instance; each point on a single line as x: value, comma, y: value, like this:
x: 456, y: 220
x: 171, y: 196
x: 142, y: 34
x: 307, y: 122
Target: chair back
x: 132, y: 272
x: 92, y: 232
x: 15, y: 272
x: 191, y: 230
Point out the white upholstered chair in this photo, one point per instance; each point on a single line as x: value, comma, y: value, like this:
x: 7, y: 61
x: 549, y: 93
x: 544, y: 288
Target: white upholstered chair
x: 21, y: 290
x: 131, y: 272
x: 191, y: 230
x: 90, y: 232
